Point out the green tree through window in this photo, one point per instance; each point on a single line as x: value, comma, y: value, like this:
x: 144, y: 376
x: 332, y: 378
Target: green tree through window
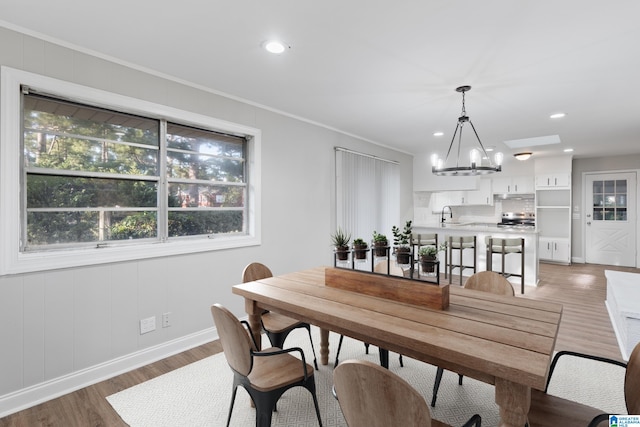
x: 92, y: 175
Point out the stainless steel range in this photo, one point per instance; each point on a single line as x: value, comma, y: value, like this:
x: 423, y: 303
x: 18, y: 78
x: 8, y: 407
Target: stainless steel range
x: 518, y: 220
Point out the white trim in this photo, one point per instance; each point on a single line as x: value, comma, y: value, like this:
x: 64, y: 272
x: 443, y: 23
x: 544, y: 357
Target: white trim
x: 42, y: 392
x: 12, y: 261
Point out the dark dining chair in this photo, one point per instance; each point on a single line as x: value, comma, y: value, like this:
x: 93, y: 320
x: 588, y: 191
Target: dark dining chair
x: 485, y: 281
x: 265, y: 374
x: 549, y: 410
x: 276, y: 326
x: 371, y: 396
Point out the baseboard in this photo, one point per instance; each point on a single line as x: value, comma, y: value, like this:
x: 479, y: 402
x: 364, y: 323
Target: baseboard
x: 42, y: 392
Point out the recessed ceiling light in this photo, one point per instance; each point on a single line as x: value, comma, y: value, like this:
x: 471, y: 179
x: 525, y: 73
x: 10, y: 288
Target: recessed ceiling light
x: 568, y: 150
x: 438, y: 133
x: 490, y: 148
x: 274, y: 46
x: 557, y: 115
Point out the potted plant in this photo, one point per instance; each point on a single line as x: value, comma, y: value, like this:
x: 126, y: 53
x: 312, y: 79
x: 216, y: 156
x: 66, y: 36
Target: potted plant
x: 340, y: 241
x: 401, y: 239
x: 360, y: 248
x: 426, y: 256
x: 380, y: 244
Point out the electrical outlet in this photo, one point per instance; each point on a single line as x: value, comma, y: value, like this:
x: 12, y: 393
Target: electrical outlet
x: 166, y: 320
x: 147, y: 325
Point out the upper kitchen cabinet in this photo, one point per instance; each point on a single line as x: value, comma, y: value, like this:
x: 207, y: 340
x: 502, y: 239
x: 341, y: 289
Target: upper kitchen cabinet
x: 554, y: 180
x: 425, y: 180
x: 553, y: 173
x: 513, y: 184
x: 483, y: 195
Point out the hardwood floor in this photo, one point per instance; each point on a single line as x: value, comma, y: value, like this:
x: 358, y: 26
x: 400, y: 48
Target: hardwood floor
x: 585, y: 327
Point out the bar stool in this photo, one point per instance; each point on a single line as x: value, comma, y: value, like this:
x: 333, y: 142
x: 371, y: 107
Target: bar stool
x: 506, y: 247
x: 460, y: 243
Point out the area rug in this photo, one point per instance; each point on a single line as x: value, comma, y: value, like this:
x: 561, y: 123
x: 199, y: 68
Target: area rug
x: 199, y: 394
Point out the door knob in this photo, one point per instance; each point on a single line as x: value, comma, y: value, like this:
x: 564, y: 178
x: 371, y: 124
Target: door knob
x: 588, y: 222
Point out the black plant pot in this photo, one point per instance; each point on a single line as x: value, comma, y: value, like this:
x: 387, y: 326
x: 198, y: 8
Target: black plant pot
x: 380, y: 248
x: 342, y: 252
x: 360, y: 251
x: 403, y: 255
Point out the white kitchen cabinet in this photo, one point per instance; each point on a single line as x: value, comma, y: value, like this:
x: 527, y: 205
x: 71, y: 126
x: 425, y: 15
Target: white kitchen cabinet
x: 555, y: 249
x: 513, y: 185
x: 482, y: 196
x: 559, y: 180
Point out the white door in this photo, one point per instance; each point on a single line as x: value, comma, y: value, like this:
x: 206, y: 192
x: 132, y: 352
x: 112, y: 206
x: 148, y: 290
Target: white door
x: 610, y: 211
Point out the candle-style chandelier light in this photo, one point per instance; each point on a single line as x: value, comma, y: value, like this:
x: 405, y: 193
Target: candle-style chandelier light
x: 476, y: 167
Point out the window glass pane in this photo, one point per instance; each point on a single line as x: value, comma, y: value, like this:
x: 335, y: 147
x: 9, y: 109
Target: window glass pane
x: 62, y: 135
x: 609, y: 214
x: 194, y: 222
x: 598, y: 214
x: 609, y: 186
x: 621, y: 186
x: 621, y: 200
x: 204, y: 155
x: 46, y: 191
x: 50, y: 228
x: 598, y: 200
x: 597, y: 187
x: 193, y: 196
x: 621, y: 214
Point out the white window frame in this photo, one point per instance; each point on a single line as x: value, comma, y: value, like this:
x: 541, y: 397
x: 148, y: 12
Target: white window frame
x: 12, y: 261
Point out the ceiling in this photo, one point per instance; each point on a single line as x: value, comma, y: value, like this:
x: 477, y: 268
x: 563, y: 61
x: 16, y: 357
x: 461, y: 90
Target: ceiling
x: 386, y: 71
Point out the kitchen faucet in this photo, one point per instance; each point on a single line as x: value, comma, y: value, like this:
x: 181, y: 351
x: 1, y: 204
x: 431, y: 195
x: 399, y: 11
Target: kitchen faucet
x: 442, y: 218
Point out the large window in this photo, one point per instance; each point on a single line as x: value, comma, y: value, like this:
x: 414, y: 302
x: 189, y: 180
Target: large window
x: 90, y: 171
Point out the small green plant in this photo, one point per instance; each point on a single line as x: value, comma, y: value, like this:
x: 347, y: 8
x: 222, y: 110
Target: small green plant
x: 359, y: 242
x: 429, y: 251
x: 379, y: 238
x: 340, y: 238
x: 401, y: 238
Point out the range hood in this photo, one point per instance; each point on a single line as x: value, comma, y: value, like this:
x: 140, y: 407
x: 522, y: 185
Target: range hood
x: 513, y: 196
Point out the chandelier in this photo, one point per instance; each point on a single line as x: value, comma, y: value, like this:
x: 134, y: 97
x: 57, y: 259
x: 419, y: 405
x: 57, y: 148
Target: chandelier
x: 476, y: 157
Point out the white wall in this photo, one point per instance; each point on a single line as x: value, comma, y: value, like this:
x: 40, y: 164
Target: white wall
x: 67, y: 328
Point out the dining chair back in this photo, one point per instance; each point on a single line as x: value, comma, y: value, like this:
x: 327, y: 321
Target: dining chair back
x: 276, y: 326
x: 549, y: 410
x: 372, y: 396
x: 632, y: 382
x: 490, y: 281
x: 255, y: 271
x: 266, y: 374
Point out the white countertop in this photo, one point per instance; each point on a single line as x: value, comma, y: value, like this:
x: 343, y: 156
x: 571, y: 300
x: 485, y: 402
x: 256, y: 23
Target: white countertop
x: 478, y: 227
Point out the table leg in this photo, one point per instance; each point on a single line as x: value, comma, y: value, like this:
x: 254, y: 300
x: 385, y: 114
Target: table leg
x: 324, y: 346
x: 384, y: 357
x: 254, y: 313
x: 514, y: 401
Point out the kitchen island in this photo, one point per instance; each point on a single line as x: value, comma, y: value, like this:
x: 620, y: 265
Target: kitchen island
x: 481, y: 231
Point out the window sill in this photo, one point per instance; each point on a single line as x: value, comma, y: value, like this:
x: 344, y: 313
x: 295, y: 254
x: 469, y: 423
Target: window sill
x: 44, y: 261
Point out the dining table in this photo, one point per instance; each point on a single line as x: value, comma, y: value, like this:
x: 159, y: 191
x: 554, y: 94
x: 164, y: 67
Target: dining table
x: 501, y: 340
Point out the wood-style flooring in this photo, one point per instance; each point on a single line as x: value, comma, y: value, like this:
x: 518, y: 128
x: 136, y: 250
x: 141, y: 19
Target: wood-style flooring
x: 585, y: 327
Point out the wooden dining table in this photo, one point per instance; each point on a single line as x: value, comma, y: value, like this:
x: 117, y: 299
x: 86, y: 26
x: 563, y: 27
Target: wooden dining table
x: 502, y: 340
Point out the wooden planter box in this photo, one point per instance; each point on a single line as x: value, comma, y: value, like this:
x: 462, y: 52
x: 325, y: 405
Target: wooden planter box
x: 391, y: 287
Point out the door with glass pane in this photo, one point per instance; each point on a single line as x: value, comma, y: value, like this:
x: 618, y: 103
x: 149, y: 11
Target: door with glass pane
x: 610, y: 234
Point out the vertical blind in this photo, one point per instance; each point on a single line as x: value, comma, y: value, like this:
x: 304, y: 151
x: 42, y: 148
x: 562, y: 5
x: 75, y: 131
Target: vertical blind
x: 367, y: 193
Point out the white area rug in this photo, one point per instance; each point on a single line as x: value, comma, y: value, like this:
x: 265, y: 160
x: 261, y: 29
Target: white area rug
x: 199, y: 394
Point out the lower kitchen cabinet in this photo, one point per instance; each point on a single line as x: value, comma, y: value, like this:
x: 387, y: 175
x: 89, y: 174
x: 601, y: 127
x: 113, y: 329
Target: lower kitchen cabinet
x: 555, y: 249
